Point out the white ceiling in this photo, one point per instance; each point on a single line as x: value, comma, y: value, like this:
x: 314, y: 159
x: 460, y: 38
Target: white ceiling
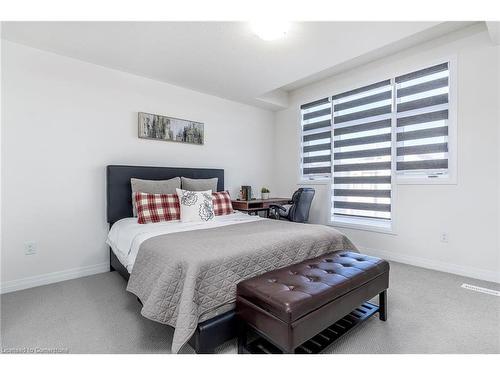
x: 224, y: 58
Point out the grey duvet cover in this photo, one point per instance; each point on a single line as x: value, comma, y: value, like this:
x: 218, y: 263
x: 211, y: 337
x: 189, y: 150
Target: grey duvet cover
x: 181, y: 276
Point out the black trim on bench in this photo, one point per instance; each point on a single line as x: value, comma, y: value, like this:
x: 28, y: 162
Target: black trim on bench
x: 318, y: 344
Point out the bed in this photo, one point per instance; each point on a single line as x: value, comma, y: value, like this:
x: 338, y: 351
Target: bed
x: 185, y: 274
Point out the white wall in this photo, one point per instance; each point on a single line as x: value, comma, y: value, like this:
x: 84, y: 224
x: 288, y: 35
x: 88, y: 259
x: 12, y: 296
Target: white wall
x: 64, y: 120
x: 467, y: 211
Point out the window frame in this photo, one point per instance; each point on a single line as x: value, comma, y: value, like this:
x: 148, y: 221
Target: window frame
x: 367, y: 224
x: 318, y: 180
x: 370, y: 224
x: 451, y: 177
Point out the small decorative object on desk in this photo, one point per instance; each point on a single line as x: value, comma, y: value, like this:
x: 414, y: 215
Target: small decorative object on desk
x: 264, y: 193
x: 246, y: 193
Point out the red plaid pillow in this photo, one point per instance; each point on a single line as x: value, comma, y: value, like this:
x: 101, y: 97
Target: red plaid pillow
x: 222, y: 203
x: 153, y: 208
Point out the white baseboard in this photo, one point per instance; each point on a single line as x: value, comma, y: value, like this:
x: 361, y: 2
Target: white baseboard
x: 473, y: 272
x: 74, y: 273
x: 53, y: 277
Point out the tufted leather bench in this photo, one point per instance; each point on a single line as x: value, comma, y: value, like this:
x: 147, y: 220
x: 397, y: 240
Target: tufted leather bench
x: 291, y: 305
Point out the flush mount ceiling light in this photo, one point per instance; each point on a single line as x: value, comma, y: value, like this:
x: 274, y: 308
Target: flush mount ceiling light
x: 270, y: 30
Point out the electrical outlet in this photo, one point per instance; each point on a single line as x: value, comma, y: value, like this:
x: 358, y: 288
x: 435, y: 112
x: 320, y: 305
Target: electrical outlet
x: 30, y: 248
x: 444, y: 237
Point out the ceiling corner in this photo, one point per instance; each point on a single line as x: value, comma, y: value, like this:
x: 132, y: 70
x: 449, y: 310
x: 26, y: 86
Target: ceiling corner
x: 494, y: 31
x: 275, y: 100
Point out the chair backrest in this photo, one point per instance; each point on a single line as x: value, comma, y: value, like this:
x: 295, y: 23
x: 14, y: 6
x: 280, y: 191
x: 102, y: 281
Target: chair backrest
x: 301, y: 204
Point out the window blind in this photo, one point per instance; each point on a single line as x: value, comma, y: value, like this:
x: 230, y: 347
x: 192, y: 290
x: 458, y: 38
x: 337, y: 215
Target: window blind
x: 422, y: 121
x: 362, y: 151
x: 316, y: 139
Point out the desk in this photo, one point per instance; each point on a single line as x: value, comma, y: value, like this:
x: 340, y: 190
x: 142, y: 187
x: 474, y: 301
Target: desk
x: 256, y: 205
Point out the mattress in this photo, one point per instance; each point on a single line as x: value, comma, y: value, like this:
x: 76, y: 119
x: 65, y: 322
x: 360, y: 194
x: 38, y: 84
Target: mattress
x: 126, y: 236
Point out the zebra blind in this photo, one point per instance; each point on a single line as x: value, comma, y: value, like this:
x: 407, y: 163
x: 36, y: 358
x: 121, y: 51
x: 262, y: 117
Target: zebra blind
x: 316, y: 139
x: 422, y: 121
x: 362, y: 151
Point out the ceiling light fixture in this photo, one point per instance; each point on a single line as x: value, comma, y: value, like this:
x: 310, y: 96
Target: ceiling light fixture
x: 270, y: 30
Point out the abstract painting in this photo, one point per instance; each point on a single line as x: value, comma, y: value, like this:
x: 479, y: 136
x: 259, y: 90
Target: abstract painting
x: 166, y: 128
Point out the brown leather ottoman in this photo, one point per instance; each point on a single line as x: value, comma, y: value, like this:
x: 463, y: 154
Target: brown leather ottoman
x: 301, y: 302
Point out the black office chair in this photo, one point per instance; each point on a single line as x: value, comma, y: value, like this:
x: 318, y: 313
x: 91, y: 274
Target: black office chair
x: 298, y: 208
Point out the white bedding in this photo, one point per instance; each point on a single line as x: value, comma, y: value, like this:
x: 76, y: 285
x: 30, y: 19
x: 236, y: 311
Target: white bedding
x: 126, y: 235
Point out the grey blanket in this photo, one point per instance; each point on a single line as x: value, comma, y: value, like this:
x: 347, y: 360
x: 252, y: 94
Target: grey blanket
x: 181, y: 276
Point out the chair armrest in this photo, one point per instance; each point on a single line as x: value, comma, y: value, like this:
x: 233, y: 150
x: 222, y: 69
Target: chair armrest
x: 277, y: 207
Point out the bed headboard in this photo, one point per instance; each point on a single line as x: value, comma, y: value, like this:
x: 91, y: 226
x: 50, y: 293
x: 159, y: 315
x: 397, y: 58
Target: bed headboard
x: 119, y: 191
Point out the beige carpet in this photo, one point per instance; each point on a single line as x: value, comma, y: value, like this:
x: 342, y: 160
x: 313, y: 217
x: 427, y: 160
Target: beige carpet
x: 428, y: 313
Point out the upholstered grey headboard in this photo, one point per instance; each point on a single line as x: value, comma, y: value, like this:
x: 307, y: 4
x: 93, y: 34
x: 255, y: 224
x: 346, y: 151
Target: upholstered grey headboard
x: 119, y: 191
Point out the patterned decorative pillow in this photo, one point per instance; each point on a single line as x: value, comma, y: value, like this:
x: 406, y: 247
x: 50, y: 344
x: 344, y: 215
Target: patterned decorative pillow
x: 222, y: 203
x: 153, y: 187
x: 196, y: 205
x: 153, y: 208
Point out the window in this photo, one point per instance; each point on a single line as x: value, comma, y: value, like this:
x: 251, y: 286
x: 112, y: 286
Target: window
x: 422, y: 122
x: 362, y: 152
x: 316, y: 140
x: 363, y: 140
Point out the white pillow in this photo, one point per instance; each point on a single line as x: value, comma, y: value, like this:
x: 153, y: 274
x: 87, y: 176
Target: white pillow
x: 196, y: 205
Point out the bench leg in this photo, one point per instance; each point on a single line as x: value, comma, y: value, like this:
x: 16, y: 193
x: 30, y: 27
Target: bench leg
x: 382, y: 305
x: 242, y: 337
